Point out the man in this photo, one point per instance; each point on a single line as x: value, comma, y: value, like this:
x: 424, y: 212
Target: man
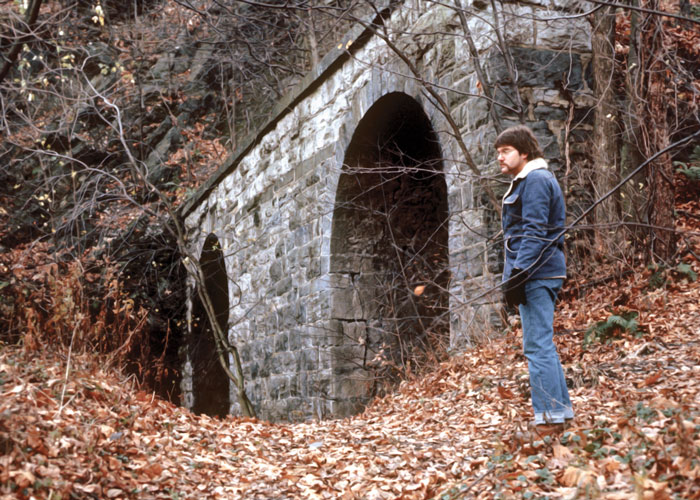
x: 535, y: 267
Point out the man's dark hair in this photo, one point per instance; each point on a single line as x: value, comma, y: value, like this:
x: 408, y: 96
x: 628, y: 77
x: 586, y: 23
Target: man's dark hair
x: 521, y: 138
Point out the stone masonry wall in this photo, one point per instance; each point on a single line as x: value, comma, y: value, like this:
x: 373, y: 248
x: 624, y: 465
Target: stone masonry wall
x: 271, y: 204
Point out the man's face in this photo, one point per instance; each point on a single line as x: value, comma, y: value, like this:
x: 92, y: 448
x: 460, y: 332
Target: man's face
x: 510, y: 160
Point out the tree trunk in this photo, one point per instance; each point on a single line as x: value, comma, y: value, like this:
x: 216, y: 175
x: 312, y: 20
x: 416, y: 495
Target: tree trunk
x: 313, y: 43
x: 606, y: 172
x: 11, y: 56
x: 647, y: 130
x: 660, y: 175
x: 652, y: 110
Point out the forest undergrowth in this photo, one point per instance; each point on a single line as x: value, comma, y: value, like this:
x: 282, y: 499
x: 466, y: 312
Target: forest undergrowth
x: 74, y: 426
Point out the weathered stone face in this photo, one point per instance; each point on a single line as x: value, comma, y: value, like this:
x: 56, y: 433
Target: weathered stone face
x: 357, y: 192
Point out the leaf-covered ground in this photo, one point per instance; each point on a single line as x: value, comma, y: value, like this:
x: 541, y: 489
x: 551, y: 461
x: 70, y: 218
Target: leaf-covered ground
x: 85, y: 433
x: 72, y: 428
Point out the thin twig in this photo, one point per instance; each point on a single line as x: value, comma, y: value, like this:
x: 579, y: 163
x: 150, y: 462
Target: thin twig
x: 65, y: 376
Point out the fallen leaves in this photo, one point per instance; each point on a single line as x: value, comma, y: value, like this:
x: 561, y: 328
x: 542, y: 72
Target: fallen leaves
x: 651, y: 379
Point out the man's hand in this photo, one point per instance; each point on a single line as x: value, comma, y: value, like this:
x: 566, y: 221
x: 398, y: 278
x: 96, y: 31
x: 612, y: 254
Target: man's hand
x: 514, y: 288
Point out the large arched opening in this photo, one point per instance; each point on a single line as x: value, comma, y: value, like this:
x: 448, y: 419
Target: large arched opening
x: 389, y: 249
x: 210, y: 384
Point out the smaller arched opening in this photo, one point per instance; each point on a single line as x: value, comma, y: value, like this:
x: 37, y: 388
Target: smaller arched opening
x: 210, y: 384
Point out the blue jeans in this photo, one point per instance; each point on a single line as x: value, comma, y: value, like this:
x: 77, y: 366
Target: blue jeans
x: 550, y: 397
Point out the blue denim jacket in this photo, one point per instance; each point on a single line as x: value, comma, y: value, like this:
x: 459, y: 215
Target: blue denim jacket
x: 534, y: 216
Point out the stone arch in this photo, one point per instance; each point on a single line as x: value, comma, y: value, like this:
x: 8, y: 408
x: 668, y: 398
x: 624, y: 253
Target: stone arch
x: 210, y: 384
x: 389, y: 235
